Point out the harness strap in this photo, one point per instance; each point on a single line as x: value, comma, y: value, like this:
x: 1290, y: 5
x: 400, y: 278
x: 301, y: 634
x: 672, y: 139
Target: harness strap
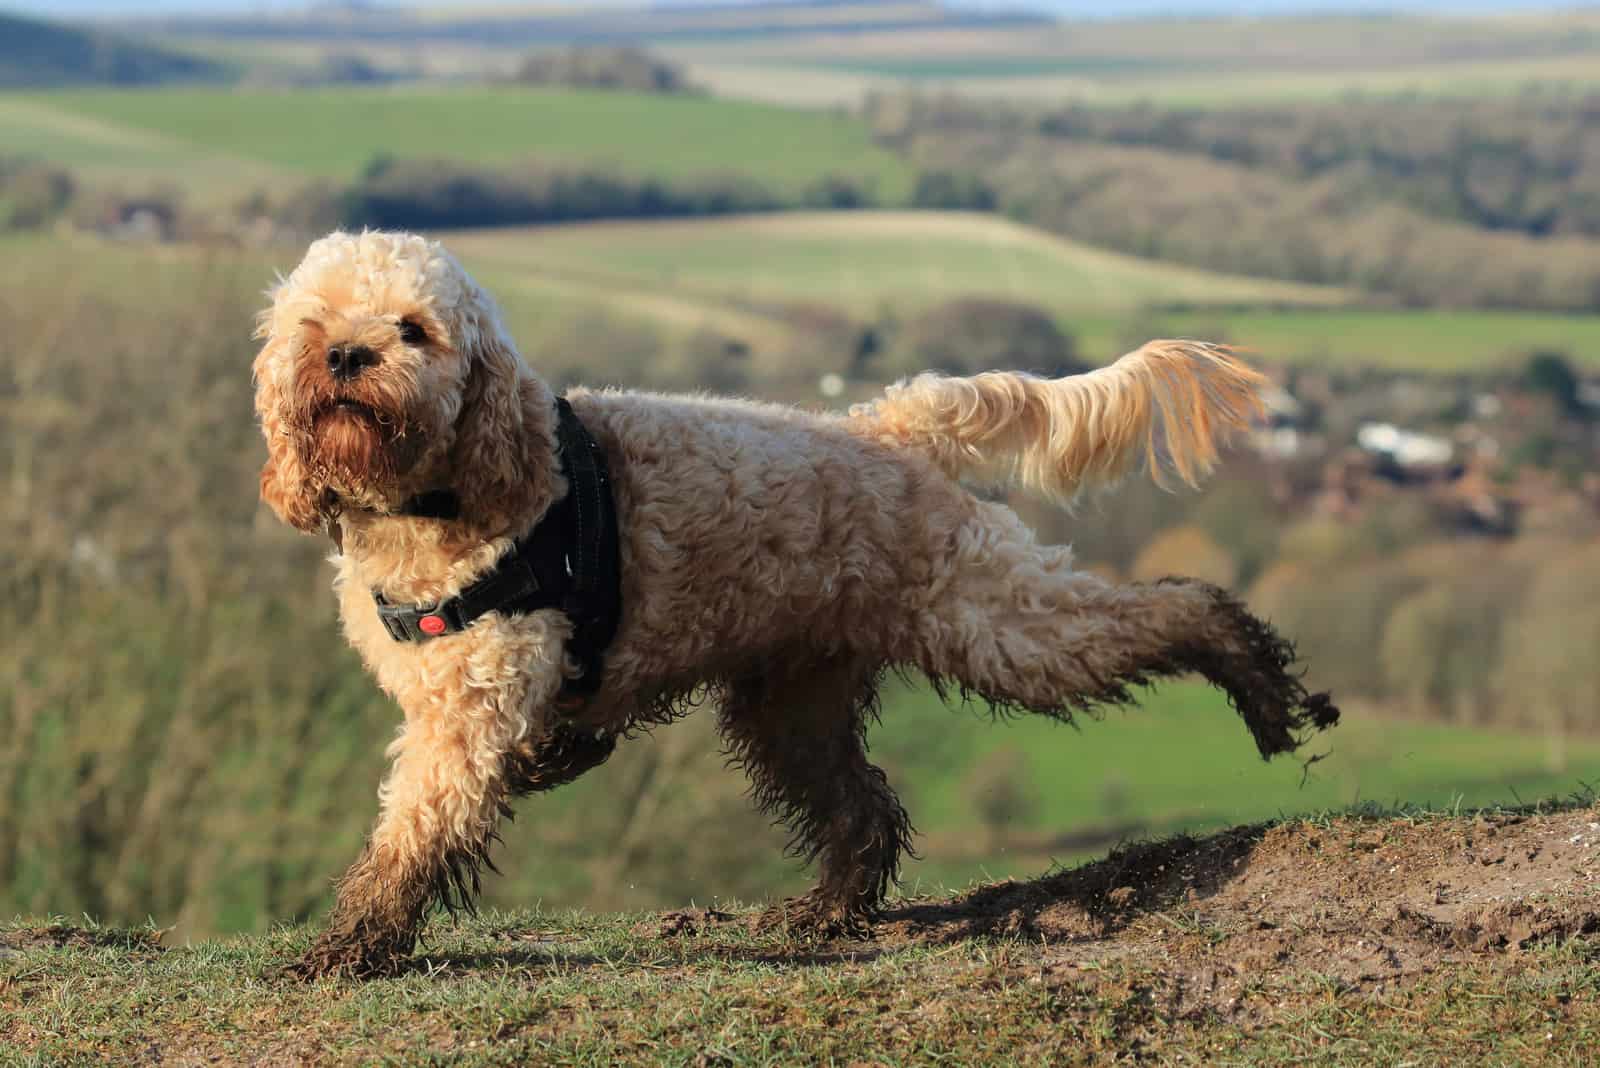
x: 570, y: 561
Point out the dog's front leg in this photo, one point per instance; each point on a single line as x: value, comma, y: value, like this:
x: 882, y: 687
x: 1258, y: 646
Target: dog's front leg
x: 440, y: 806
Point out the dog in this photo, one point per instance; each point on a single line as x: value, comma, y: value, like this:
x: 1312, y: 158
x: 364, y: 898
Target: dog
x: 775, y: 559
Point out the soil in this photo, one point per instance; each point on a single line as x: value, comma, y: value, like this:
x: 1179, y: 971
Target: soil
x: 1366, y: 903
x: 1360, y: 901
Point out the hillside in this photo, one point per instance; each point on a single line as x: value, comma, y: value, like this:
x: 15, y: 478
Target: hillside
x: 1366, y: 938
x: 738, y: 275
x: 103, y: 133
x: 37, y: 54
x: 830, y: 52
x: 750, y: 277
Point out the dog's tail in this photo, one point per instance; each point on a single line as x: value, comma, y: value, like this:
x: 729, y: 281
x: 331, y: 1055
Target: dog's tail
x: 1171, y: 404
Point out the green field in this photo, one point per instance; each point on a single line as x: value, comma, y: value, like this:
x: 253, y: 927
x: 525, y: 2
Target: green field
x: 335, y: 133
x: 730, y: 273
x: 1179, y: 61
x: 736, y: 275
x: 1180, y: 761
x: 860, y: 260
x: 1183, y: 761
x: 1444, y: 341
x: 1120, y: 82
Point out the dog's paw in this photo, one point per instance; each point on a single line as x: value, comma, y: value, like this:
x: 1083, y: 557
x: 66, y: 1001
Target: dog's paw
x: 813, y: 918
x: 346, y: 959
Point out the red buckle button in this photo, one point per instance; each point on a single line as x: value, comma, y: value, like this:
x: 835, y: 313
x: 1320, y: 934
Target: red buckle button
x: 432, y: 624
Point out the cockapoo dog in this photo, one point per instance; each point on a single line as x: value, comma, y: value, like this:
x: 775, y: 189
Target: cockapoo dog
x: 778, y: 559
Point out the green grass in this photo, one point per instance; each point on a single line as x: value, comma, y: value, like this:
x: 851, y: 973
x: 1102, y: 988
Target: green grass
x: 860, y: 261
x: 1172, y: 980
x: 108, y: 152
x: 1442, y: 340
x: 1120, y: 81
x: 1175, y: 61
x: 662, y: 135
x: 1183, y: 761
x: 734, y: 275
x: 1023, y: 65
x: 728, y: 273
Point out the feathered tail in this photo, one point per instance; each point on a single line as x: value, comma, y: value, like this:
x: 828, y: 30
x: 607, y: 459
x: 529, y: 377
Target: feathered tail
x: 1170, y: 404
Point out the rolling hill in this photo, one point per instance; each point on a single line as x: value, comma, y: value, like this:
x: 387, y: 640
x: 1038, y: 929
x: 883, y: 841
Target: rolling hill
x: 862, y: 259
x: 261, y: 130
x: 35, y: 53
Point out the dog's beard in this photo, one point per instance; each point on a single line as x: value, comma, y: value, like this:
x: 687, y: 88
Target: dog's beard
x: 359, y: 450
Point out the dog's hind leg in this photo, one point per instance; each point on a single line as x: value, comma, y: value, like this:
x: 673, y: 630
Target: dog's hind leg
x: 1012, y: 621
x: 799, y: 735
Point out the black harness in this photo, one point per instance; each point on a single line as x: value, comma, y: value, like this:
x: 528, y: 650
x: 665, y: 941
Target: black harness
x: 568, y: 561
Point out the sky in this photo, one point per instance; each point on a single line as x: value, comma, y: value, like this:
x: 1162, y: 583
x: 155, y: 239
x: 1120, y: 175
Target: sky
x: 1098, y: 8
x: 170, y: 7
x: 68, y: 8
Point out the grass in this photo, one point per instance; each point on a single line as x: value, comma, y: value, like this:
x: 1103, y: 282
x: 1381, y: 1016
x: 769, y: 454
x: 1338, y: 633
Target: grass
x: 735, y: 275
x: 1174, y: 980
x: 1184, y: 762
x: 862, y: 260
x: 1446, y: 341
x: 110, y: 152
x: 1118, y: 81
x: 664, y: 135
x: 727, y: 273
x: 1173, y: 61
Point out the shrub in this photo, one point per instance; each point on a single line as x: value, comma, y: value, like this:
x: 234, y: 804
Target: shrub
x: 949, y: 190
x: 32, y: 194
x: 582, y: 67
x: 999, y: 790
x: 1185, y: 550
x: 973, y: 334
x: 423, y: 194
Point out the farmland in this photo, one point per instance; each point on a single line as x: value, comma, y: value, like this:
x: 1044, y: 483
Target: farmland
x: 829, y: 54
x: 861, y: 260
x: 1168, y: 62
x: 258, y: 133
x: 737, y: 275
x: 728, y: 271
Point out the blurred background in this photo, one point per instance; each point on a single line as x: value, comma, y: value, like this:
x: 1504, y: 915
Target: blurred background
x: 1398, y: 213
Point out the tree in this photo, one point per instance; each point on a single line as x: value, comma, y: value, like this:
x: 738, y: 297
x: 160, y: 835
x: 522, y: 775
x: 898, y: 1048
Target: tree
x: 1185, y: 550
x: 973, y: 334
x: 630, y: 69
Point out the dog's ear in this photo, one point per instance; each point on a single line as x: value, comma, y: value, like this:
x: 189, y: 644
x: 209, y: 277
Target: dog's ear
x: 286, y: 485
x: 505, y: 452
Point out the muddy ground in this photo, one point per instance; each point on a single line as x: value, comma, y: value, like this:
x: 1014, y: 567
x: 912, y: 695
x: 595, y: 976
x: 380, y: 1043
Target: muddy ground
x: 1356, y: 940
x: 1367, y: 903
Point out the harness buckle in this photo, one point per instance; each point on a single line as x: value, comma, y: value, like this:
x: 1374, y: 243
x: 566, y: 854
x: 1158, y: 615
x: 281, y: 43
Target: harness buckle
x: 414, y: 623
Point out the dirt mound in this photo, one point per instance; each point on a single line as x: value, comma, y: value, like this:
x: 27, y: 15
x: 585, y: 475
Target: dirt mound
x: 60, y: 934
x: 1361, y: 901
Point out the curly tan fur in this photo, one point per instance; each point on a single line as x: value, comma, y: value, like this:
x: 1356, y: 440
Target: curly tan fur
x: 776, y: 559
x: 1059, y: 436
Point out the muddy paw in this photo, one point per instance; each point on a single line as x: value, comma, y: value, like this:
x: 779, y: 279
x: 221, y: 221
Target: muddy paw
x: 346, y: 959
x: 812, y: 917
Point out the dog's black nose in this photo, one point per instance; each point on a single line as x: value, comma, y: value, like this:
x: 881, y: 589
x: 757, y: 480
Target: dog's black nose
x: 346, y: 361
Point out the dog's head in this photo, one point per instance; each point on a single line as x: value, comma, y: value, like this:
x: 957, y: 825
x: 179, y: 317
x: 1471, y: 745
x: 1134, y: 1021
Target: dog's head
x: 385, y: 371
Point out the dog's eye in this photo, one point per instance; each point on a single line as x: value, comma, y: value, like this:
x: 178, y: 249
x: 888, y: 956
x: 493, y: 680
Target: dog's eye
x: 411, y: 332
